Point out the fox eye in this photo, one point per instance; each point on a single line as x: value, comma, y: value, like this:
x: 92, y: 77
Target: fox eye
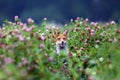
x: 58, y: 38
x: 64, y: 38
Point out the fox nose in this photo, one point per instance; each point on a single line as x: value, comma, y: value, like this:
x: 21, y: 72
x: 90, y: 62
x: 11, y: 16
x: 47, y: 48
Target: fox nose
x: 62, y: 42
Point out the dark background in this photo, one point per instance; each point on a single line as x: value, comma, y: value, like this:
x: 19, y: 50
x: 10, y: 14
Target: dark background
x: 60, y: 10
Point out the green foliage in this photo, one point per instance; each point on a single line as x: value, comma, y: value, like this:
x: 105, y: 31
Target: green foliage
x: 27, y: 51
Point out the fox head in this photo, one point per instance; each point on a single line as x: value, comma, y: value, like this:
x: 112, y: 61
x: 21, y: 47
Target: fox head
x: 61, y: 40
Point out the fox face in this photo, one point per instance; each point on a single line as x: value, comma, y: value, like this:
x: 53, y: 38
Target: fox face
x: 61, y: 42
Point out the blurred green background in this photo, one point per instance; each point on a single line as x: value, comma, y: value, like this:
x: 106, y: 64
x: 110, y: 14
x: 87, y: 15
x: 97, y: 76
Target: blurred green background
x: 60, y: 10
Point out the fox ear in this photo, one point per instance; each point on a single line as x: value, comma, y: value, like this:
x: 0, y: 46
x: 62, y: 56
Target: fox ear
x: 66, y: 32
x: 56, y: 33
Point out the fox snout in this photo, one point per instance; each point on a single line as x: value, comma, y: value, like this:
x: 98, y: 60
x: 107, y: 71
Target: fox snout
x: 62, y: 43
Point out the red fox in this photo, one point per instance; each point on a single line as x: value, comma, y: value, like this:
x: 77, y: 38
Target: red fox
x: 61, y: 42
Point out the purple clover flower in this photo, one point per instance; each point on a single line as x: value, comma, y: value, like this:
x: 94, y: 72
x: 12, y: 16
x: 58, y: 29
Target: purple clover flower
x: 43, y: 38
x: 42, y: 45
x: 50, y: 59
x: 21, y: 38
x: 8, y: 60
x: 16, y: 18
x: 30, y: 21
x: 25, y: 61
x: 92, y: 32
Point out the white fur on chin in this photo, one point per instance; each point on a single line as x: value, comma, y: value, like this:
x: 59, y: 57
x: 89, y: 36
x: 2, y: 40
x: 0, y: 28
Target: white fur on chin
x: 59, y: 50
